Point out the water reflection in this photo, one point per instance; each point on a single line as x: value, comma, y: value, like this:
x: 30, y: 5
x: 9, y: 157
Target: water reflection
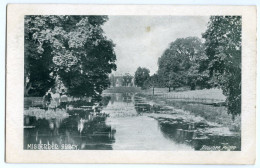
x: 77, y: 129
x: 121, y: 122
x: 197, y: 134
x: 80, y: 130
x: 135, y: 131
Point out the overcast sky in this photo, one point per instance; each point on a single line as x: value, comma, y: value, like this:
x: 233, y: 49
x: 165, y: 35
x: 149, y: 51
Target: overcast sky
x: 141, y: 40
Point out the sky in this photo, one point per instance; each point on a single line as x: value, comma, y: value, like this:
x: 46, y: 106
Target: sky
x: 141, y: 40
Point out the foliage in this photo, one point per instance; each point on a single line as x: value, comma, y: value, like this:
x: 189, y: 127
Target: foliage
x: 75, y: 104
x: 127, y: 79
x: 223, y: 50
x: 152, y: 82
x: 112, y: 80
x: 38, y: 66
x: 141, y: 75
x: 179, y: 64
x: 105, y: 100
x: 72, y: 48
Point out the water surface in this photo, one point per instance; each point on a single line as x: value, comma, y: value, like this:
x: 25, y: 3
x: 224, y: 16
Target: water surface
x: 126, y: 122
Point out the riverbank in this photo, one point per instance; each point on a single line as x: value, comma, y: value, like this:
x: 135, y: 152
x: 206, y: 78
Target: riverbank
x: 210, y: 112
x: 213, y: 93
x: 122, y: 89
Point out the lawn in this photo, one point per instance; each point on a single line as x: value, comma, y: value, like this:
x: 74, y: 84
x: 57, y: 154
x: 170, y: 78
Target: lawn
x: 214, y: 93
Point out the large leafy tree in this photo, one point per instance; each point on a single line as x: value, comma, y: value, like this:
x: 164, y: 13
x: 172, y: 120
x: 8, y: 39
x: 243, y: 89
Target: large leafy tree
x: 141, y: 75
x: 223, y: 50
x: 73, y: 48
x: 38, y: 65
x: 179, y: 64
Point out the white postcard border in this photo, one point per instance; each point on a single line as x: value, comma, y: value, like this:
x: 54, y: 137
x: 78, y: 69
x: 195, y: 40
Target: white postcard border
x: 14, y: 87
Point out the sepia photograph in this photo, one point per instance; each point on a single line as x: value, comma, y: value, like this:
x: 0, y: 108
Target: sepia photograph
x: 112, y: 82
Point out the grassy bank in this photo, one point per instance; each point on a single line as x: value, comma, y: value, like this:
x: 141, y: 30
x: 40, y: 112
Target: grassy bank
x: 216, y: 114
x: 202, y: 94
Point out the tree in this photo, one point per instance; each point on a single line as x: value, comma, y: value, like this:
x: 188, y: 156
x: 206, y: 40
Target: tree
x: 73, y: 48
x: 112, y: 81
x: 178, y: 66
x: 223, y: 50
x: 127, y: 79
x: 38, y: 66
x: 152, y: 82
x: 141, y: 75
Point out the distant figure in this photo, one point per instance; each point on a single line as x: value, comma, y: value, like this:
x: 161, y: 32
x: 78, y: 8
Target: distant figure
x: 55, y: 97
x: 47, y: 99
x: 53, y: 105
x: 95, y: 108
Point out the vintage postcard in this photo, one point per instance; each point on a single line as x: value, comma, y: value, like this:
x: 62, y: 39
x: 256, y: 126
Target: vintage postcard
x: 130, y: 84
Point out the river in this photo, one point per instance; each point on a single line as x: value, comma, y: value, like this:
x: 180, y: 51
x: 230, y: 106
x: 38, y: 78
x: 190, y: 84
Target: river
x: 125, y: 122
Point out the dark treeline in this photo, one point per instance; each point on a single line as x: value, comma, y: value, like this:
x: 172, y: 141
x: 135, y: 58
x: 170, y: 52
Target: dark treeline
x: 216, y: 62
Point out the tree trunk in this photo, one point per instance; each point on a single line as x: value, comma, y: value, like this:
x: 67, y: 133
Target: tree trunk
x: 169, y: 89
x: 153, y: 91
x: 27, y: 89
